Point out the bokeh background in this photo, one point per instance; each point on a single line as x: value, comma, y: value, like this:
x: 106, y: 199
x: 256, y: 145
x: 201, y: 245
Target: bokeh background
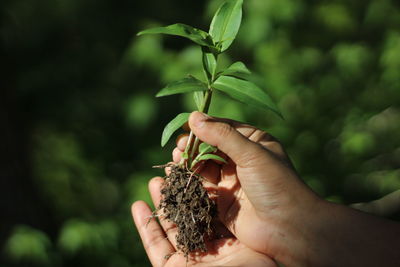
x: 80, y: 126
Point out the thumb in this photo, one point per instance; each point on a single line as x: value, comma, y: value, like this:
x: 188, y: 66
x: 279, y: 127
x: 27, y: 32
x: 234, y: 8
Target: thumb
x: 226, y: 138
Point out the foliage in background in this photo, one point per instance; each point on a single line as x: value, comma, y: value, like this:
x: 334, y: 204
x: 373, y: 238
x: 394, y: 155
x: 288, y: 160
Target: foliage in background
x: 81, y: 87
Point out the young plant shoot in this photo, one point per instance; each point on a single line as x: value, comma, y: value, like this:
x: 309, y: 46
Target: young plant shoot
x: 185, y: 202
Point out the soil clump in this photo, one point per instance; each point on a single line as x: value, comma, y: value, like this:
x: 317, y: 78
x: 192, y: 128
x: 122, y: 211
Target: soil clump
x: 186, y: 203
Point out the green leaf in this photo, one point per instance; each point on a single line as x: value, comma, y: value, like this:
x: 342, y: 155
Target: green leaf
x: 196, y: 35
x: 186, y: 85
x: 198, y: 97
x: 172, y: 126
x: 226, y: 22
x: 209, y: 63
x: 211, y: 156
x: 246, y: 92
x: 205, y: 148
x: 236, y: 68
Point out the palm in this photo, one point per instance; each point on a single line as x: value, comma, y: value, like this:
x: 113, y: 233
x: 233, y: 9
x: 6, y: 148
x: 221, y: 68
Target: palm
x: 160, y: 245
x: 236, y: 210
x: 229, y: 252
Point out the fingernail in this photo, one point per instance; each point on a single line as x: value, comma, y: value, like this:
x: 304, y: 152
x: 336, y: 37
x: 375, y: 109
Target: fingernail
x: 199, y: 120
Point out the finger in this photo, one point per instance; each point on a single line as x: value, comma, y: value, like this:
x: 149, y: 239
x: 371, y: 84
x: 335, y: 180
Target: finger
x: 222, y: 135
x: 167, y: 169
x: 155, y: 193
x: 153, y: 237
x: 181, y: 141
x: 256, y: 135
x: 176, y: 155
x: 180, y: 147
x: 264, y: 139
x: 252, y: 133
x: 211, y: 172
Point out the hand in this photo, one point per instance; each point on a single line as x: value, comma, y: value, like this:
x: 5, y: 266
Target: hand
x: 269, y: 210
x: 265, y: 205
x: 259, y: 193
x: 160, y: 245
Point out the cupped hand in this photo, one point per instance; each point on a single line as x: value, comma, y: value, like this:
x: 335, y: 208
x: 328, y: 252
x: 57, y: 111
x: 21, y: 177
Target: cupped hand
x: 267, y: 210
x: 160, y: 244
x: 259, y: 195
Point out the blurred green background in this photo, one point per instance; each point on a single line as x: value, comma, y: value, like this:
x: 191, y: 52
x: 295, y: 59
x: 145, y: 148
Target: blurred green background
x: 80, y: 126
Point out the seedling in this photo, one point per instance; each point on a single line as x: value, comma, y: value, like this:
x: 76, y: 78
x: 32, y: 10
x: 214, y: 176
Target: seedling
x: 185, y: 202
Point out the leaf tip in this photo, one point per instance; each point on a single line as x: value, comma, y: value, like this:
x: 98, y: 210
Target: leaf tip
x: 160, y: 94
x: 143, y: 32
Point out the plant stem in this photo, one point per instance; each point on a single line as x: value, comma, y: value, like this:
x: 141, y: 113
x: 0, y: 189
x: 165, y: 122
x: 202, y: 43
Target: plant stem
x: 189, y: 147
x: 186, y: 158
x: 204, y: 109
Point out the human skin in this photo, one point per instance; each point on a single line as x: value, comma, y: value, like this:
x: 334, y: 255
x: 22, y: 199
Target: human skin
x: 160, y: 244
x: 269, y: 210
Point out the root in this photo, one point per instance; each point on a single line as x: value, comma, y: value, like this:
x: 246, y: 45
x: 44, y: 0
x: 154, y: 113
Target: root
x: 152, y: 216
x: 186, y: 203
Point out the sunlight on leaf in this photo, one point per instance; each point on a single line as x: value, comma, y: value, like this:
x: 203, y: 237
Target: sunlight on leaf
x: 198, y: 36
x: 209, y: 63
x: 211, y: 156
x: 172, y: 126
x: 185, y: 85
x: 226, y: 23
x: 198, y: 97
x: 236, y: 68
x: 205, y: 148
x: 245, y: 92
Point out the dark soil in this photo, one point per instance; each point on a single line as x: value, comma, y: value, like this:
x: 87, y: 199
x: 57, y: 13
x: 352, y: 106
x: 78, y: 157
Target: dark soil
x: 186, y: 203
